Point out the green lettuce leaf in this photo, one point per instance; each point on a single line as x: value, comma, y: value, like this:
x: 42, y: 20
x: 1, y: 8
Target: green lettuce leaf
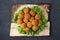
x: 38, y: 11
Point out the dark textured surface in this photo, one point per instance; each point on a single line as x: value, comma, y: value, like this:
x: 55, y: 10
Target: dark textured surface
x: 5, y: 19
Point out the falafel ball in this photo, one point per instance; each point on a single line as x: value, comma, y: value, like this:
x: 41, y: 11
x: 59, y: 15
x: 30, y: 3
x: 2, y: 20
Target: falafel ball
x: 26, y: 10
x: 26, y: 29
x: 29, y: 25
x: 34, y: 22
x: 21, y: 15
x: 37, y: 16
x: 27, y: 16
x: 23, y: 25
x: 39, y: 22
x: 32, y: 13
x: 34, y: 28
x: 32, y: 18
x: 19, y: 21
x: 25, y: 20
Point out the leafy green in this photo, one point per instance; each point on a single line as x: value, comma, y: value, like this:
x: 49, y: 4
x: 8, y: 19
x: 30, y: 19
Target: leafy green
x: 20, y: 11
x: 42, y: 27
x: 21, y: 30
x: 44, y: 20
x: 16, y: 16
x: 38, y: 11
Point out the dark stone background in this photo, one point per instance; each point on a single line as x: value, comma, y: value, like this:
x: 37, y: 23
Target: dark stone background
x: 5, y: 19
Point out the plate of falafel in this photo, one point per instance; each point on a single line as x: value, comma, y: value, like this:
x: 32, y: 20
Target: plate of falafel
x: 30, y: 20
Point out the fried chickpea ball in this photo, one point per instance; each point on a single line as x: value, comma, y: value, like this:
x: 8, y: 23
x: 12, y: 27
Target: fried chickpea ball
x: 37, y: 16
x: 23, y: 25
x: 25, y: 20
x: 34, y: 28
x: 29, y: 25
x: 26, y: 10
x: 32, y: 13
x: 26, y: 29
x: 19, y: 21
x: 21, y: 15
x: 34, y: 22
x: 39, y: 22
x: 27, y: 16
x: 32, y: 18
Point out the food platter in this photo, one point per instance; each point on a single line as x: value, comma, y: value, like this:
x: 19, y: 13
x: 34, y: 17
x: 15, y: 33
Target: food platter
x: 42, y: 9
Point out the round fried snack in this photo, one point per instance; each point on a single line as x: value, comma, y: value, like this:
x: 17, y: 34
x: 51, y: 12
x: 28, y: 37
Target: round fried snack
x: 37, y: 16
x: 21, y: 15
x: 26, y: 10
x: 32, y: 13
x: 25, y: 20
x: 32, y: 18
x: 26, y: 29
x: 34, y: 28
x: 23, y: 25
x: 29, y: 25
x: 34, y: 22
x: 39, y: 22
x: 27, y: 16
x: 19, y: 21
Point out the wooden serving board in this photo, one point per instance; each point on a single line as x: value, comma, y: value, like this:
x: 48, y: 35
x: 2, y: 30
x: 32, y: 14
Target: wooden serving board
x: 13, y: 29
